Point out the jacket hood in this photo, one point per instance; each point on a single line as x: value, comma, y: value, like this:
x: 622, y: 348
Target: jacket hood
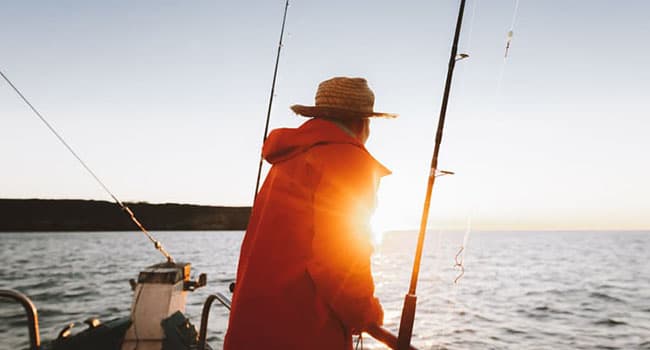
x: 286, y: 143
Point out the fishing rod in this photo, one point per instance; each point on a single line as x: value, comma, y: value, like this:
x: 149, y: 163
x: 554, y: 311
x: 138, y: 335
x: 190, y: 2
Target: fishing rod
x: 268, y: 113
x: 125, y: 208
x: 408, y: 311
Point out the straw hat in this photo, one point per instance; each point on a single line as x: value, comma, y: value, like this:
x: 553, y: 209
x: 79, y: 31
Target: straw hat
x: 342, y: 98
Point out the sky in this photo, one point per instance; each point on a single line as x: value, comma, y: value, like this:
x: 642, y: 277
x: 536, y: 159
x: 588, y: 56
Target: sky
x: 166, y: 102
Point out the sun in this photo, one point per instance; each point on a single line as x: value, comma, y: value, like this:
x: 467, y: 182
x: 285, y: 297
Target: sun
x: 378, y: 226
x: 384, y: 219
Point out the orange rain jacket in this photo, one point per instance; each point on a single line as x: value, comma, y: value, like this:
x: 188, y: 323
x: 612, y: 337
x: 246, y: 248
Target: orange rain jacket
x: 304, y: 278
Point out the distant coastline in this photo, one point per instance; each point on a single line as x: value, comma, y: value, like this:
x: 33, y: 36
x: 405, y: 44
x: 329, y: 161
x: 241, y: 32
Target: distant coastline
x: 37, y: 215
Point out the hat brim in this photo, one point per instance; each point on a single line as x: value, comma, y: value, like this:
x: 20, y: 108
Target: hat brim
x: 337, y: 113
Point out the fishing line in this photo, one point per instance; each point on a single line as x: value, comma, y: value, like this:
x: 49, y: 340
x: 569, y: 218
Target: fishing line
x: 126, y: 209
x: 459, y: 264
x: 459, y: 259
x: 410, y: 299
x: 514, y: 15
x: 511, y: 32
x: 460, y: 254
x: 452, y: 299
x: 268, y: 113
x: 461, y: 80
x: 509, y: 37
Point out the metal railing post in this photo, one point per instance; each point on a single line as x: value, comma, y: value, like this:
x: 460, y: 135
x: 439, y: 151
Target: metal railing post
x: 32, y: 315
x: 206, y: 313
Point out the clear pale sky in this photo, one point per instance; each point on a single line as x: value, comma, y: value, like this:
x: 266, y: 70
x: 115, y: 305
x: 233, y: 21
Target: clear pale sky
x: 166, y: 101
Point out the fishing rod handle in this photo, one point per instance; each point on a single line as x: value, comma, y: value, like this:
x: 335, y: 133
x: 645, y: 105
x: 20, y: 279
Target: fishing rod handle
x: 406, y: 322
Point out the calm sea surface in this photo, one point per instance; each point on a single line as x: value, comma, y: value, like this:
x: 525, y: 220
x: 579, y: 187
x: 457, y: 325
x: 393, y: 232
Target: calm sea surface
x: 520, y: 290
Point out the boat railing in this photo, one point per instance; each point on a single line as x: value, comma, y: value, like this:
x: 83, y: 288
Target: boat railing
x: 30, y: 311
x: 206, y: 313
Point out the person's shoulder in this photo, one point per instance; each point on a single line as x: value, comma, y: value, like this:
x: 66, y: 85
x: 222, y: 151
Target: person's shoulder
x: 342, y: 152
x: 345, y: 158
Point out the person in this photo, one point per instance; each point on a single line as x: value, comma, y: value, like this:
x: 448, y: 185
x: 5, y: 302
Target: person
x: 304, y: 278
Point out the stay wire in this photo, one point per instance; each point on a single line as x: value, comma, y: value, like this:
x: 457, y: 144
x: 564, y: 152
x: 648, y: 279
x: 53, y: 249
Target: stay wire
x: 156, y: 243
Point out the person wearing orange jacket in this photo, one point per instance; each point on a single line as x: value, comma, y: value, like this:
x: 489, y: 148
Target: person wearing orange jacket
x: 304, y: 279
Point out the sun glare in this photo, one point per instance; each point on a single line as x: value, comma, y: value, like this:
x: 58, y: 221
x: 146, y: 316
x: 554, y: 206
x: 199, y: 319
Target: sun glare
x: 377, y: 227
x: 388, y: 215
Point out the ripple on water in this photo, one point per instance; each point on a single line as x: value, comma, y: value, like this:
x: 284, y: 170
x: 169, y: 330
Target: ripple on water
x: 37, y: 283
x: 553, y: 291
x: 589, y: 307
x: 463, y: 331
x: 480, y: 317
x: 607, y: 347
x: 488, y: 310
x: 552, y: 310
x: 440, y: 346
x: 513, y: 331
x: 605, y: 297
x: 471, y: 344
x: 610, y: 322
x: 15, y: 321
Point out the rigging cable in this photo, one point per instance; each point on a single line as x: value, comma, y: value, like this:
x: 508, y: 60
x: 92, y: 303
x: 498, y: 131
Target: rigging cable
x: 268, y: 113
x: 126, y: 209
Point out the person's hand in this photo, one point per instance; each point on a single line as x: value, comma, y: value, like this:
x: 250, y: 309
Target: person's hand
x: 376, y: 314
x: 373, y: 317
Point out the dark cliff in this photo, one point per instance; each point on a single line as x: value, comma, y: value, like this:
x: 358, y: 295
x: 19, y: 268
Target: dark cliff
x: 87, y: 215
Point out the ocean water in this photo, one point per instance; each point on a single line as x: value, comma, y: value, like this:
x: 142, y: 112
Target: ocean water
x: 520, y: 290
